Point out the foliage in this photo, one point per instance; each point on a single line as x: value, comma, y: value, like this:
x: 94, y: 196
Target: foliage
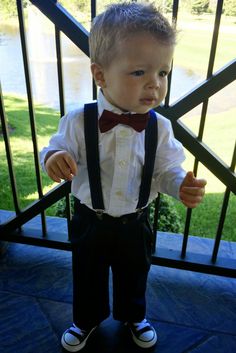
x: 76, y: 5
x: 8, y: 7
x: 230, y: 7
x: 168, y: 218
x: 60, y: 209
x: 164, y: 6
x: 199, y: 6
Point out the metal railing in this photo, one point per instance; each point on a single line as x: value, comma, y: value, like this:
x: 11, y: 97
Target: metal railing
x: 12, y: 229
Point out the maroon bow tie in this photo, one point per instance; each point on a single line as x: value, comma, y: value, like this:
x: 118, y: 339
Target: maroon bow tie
x: 109, y: 119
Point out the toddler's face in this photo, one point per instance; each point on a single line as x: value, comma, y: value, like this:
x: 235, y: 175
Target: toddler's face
x: 136, y: 79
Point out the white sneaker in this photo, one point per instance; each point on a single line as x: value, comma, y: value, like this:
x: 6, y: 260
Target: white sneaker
x: 74, y: 339
x: 143, y: 334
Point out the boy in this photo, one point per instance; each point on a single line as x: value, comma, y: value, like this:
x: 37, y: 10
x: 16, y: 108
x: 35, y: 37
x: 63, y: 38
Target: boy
x: 131, y: 48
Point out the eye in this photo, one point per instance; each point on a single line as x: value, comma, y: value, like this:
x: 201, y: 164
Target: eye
x: 137, y: 73
x: 163, y: 73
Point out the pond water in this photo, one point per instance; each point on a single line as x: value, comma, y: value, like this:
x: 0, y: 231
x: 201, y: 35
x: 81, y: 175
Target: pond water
x: 42, y: 57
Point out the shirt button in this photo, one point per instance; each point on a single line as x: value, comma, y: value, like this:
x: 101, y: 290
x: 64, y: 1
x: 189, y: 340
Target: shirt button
x: 125, y: 133
x: 122, y: 163
x: 119, y: 193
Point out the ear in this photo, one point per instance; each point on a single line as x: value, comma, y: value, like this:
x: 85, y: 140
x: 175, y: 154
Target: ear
x: 98, y: 75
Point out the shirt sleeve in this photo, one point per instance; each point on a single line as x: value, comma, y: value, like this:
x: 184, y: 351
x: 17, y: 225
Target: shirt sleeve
x: 67, y: 138
x: 168, y: 172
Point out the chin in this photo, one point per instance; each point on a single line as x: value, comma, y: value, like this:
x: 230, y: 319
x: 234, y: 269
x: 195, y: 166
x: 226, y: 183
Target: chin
x: 143, y: 111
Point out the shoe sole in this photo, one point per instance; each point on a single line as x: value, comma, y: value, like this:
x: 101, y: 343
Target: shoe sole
x: 77, y: 348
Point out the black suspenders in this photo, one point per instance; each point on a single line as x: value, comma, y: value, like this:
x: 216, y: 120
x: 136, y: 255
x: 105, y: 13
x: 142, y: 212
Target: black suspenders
x: 92, y: 152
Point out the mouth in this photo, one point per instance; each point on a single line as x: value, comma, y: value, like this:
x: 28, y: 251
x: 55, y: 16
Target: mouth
x: 148, y: 101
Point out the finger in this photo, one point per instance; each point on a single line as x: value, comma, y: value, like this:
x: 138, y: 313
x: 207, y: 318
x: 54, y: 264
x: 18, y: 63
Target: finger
x: 62, y: 169
x: 56, y: 170
x: 190, y: 204
x: 192, y: 198
x: 71, y: 164
x: 190, y: 180
x: 200, y: 183
x: 192, y: 191
x: 53, y: 176
x: 190, y: 176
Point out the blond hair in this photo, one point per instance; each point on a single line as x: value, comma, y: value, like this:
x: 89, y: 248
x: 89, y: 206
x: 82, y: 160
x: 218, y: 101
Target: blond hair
x: 121, y: 20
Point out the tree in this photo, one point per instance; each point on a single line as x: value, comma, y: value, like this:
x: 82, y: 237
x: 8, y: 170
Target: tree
x: 199, y: 6
x: 8, y: 7
x: 230, y: 7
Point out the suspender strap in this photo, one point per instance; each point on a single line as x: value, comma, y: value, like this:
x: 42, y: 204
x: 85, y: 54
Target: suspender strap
x: 151, y: 134
x: 92, y: 154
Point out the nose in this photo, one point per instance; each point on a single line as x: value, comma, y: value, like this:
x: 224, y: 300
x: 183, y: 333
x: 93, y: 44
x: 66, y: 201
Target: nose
x: 154, y: 81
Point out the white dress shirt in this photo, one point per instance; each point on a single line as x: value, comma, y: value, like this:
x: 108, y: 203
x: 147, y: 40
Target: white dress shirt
x: 121, y: 160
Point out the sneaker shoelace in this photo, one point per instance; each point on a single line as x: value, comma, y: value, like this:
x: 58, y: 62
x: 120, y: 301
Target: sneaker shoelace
x: 78, y: 330
x: 141, y: 325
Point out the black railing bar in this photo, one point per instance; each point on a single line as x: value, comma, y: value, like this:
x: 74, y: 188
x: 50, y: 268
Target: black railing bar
x: 64, y: 22
x: 156, y: 219
x: 93, y: 9
x: 30, y: 106
x: 195, y: 169
x: 60, y: 71
x: 32, y: 236
x: 36, y: 207
x: 199, y: 93
x: 209, y: 72
x: 188, y: 217
x: 214, y: 42
x: 223, y: 213
x: 93, y: 14
x: 68, y: 216
x: 175, y: 9
x: 211, y: 64
x: 189, y: 211
x: 205, y: 155
x: 220, y: 225
x: 202, y: 120
x: 9, y: 154
x: 94, y: 89
x: 186, y: 232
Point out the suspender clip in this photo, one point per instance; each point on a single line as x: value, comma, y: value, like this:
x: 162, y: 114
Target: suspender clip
x: 139, y: 212
x: 99, y: 214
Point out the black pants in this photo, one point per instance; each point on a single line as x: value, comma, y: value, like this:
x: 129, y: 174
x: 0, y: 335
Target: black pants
x: 123, y: 244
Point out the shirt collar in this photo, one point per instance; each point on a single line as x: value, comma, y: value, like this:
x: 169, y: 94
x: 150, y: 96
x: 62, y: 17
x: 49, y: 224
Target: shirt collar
x: 103, y: 104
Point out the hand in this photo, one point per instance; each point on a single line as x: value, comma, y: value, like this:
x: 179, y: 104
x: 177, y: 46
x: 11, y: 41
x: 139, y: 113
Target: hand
x: 60, y: 165
x: 192, y: 190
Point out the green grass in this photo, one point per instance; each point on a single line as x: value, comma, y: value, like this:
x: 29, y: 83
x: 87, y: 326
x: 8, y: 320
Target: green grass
x: 22, y: 150
x: 219, y: 136
x: 194, y: 42
x: 205, y: 217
